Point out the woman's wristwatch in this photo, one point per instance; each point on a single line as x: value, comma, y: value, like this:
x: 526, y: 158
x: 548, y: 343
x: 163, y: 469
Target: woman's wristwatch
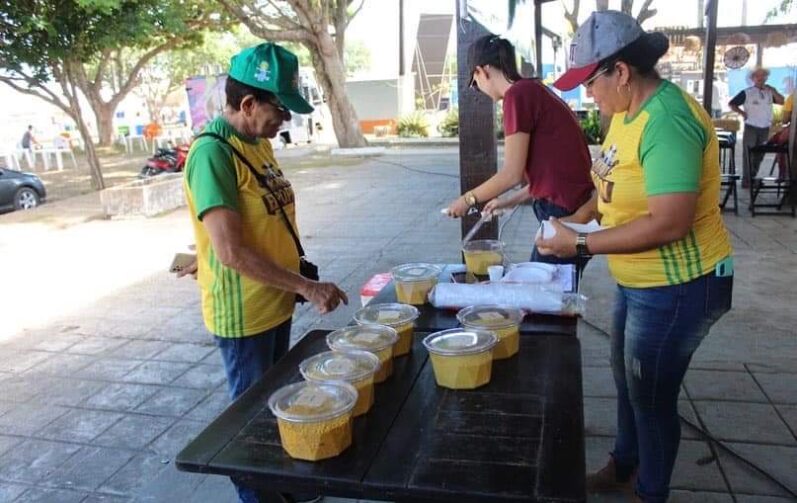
x: 470, y: 199
x: 581, y: 245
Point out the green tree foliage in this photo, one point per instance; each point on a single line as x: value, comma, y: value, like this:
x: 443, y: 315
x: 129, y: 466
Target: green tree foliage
x: 785, y: 7
x: 319, y: 27
x: 43, y: 44
x: 356, y: 57
x: 53, y: 48
x: 168, y: 71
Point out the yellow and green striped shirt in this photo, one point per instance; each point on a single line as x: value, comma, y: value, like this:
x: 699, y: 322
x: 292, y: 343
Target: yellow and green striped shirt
x: 234, y: 305
x: 670, y: 146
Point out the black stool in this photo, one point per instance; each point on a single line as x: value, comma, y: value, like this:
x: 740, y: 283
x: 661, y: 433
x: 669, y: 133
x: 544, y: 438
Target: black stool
x: 782, y: 186
x: 728, y: 176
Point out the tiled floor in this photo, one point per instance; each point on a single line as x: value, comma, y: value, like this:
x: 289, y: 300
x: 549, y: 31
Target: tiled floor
x: 95, y: 405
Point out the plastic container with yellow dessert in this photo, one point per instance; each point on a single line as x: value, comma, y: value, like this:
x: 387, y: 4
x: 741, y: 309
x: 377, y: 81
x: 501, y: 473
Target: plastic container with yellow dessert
x: 314, y: 419
x: 481, y: 254
x: 461, y: 358
x: 400, y: 317
x: 355, y: 367
x: 503, y: 321
x: 376, y: 339
x: 414, y: 281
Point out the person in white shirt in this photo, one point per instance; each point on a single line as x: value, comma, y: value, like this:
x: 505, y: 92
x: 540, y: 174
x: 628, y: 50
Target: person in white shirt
x: 755, y: 105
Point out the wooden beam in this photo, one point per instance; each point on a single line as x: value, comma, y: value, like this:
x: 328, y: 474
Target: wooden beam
x: 478, y: 152
x: 709, y: 53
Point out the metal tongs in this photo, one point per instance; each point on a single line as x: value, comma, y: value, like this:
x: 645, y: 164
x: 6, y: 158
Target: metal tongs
x: 485, y: 217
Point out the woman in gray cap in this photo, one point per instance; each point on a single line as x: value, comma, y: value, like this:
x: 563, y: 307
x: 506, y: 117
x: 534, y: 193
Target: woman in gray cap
x: 658, y: 184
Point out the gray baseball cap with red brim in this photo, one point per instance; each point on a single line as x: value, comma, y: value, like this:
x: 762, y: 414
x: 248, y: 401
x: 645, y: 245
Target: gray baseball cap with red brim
x: 602, y: 35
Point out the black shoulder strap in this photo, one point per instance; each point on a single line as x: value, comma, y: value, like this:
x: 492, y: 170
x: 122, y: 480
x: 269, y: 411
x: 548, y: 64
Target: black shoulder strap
x: 257, y: 175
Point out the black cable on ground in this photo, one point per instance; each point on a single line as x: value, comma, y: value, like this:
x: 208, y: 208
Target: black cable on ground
x: 708, y: 436
x: 414, y: 170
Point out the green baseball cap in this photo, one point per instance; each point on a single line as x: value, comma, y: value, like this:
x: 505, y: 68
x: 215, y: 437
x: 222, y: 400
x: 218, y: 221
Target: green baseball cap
x: 271, y: 68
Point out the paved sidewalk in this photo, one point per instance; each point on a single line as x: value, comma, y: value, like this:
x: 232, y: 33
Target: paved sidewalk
x: 97, y: 400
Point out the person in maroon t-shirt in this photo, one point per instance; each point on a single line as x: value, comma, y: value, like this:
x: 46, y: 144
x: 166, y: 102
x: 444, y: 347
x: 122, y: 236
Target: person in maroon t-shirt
x: 544, y: 145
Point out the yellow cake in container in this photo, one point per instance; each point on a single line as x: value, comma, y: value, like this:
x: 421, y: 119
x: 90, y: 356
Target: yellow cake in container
x: 376, y: 339
x: 481, y: 254
x: 355, y: 367
x: 501, y: 320
x: 461, y: 358
x: 400, y: 317
x: 413, y: 282
x: 314, y: 419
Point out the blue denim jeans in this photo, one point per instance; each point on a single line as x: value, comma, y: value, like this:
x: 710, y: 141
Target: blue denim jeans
x: 655, y: 333
x: 246, y: 359
x: 543, y: 210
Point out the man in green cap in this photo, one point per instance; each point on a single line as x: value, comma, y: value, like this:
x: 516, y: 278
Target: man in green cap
x: 244, y: 218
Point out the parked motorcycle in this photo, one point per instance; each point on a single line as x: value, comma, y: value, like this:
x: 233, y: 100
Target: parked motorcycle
x: 165, y: 160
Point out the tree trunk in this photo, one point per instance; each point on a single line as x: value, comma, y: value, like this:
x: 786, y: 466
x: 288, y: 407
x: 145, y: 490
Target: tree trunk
x: 572, y: 16
x: 332, y: 77
x: 601, y: 4
x: 97, y: 180
x: 69, y: 88
x: 104, y: 115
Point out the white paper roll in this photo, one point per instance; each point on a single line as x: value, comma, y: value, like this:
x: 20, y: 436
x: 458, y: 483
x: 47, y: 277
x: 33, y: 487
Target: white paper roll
x: 535, y: 298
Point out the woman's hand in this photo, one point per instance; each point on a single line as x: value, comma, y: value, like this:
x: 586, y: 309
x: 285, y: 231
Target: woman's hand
x: 493, y: 205
x: 458, y: 208
x: 562, y: 244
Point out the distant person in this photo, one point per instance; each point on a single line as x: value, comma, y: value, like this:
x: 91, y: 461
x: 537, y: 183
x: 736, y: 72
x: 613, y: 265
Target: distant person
x: 544, y: 144
x: 28, y: 140
x: 754, y: 104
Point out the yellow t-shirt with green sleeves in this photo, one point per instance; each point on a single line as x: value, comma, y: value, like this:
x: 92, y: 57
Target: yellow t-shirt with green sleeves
x: 234, y: 305
x: 669, y: 147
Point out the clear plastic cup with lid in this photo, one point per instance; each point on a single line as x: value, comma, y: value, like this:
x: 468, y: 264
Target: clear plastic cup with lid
x: 376, y: 339
x: 400, y: 317
x: 481, y: 254
x: 314, y: 419
x: 414, y: 281
x: 355, y: 367
x: 461, y: 358
x: 502, y: 320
